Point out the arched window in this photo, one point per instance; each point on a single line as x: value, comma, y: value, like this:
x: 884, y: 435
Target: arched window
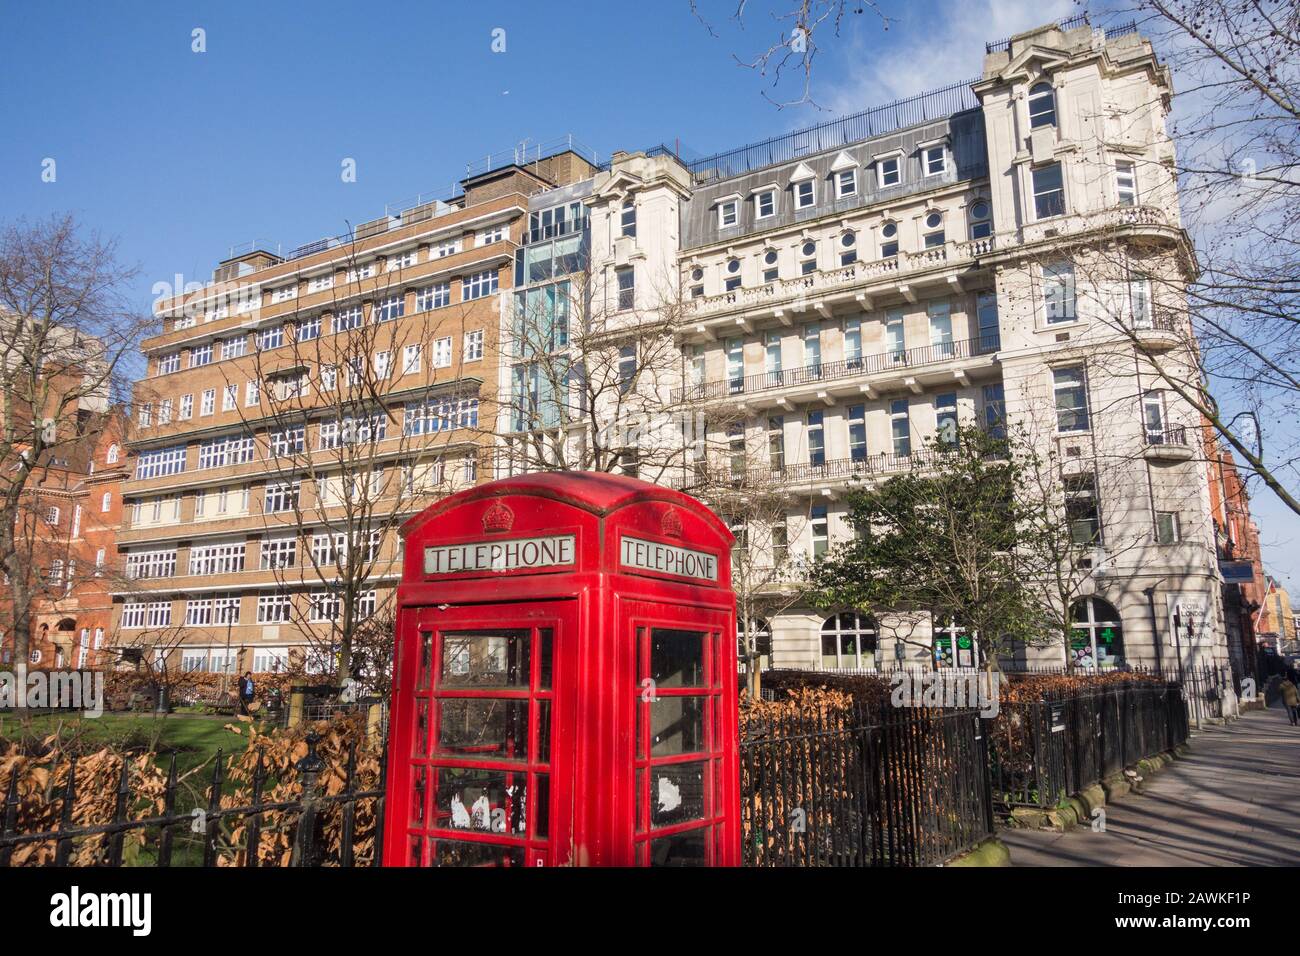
x: 1096, y: 635
x: 1042, y: 105
x: 952, y: 645
x: 112, y: 455
x: 849, y: 641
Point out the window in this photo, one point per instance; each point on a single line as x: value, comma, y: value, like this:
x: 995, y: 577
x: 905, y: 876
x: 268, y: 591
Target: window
x: 889, y: 243
x: 274, y: 608
x: 187, y: 408
x: 279, y: 553
x: 1126, y: 183
x: 816, y: 440
x: 234, y: 348
x: 210, y: 559
x: 447, y: 247
x: 848, y: 252
x: 225, y: 451
x: 348, y: 318
x: 894, y: 336
x: 626, y: 277
x: 852, y: 342
x: 626, y: 368
x: 146, y: 414
x: 411, y: 355
x: 271, y: 338
x: 776, y: 443
x: 1139, y: 297
x: 980, y: 224
x: 252, y: 393
x: 935, y: 237
x: 160, y: 461
x: 490, y: 235
x: 153, y: 614
x: 351, y: 431
x: 434, y: 296
x: 1058, y: 292
x: 889, y: 171
x: 440, y: 415
x: 478, y: 285
x: 900, y: 427
x: 111, y: 457
x: 474, y: 345
x: 812, y: 348
x: 1167, y: 527
x: 628, y: 218
x: 320, y: 283
x: 849, y: 641
x: 391, y: 307
x: 1042, y: 106
x: 995, y: 412
x: 1070, y: 386
x: 229, y: 398
x: 284, y: 293
x: 200, y: 355
x: 772, y: 357
x: 805, y: 195
x: 1049, y: 192
x: 727, y: 213
x: 808, y: 258
x: 820, y: 527
x: 169, y: 363
x: 363, y: 271
x: 771, y: 271
x: 383, y: 365
x: 1096, y: 635
x: 141, y: 565
x: 288, y: 441
x: 106, y: 501
x: 1081, y: 509
x: 736, y: 365
x: 935, y: 160
x: 442, y: 352
x: 846, y: 183
x: 765, y: 204
x: 942, y: 345
x: 1153, y: 416
x: 281, y: 496
x: 52, y: 515
x: 945, y: 419
x: 400, y: 260
x: 986, y: 312
x: 164, y: 414
x: 857, y: 432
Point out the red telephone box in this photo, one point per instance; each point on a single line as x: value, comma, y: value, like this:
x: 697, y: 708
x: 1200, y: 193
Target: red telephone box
x: 564, y: 683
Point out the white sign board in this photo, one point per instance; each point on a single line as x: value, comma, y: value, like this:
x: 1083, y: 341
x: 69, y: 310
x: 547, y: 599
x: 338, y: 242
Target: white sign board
x: 642, y: 555
x: 510, y: 555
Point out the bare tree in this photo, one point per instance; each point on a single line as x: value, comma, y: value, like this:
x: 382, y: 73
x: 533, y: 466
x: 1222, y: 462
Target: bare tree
x: 67, y: 335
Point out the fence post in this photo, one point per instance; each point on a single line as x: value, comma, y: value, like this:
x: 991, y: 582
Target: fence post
x: 305, y: 848
x: 297, y: 705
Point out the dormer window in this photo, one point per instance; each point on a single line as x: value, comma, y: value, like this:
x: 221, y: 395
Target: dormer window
x: 728, y: 213
x: 1042, y: 105
x: 805, y: 195
x: 889, y: 171
x: 846, y: 183
x: 935, y: 160
x: 764, y: 203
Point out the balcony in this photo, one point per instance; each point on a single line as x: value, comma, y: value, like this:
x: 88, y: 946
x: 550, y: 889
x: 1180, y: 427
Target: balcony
x: 1157, y: 334
x: 896, y: 363
x: 805, y: 475
x: 1169, y: 444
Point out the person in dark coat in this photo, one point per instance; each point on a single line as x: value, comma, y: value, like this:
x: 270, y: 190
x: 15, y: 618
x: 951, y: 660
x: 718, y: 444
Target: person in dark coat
x: 1290, y: 699
x: 245, y: 691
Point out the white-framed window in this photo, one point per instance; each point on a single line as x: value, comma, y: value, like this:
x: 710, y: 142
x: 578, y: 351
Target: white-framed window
x: 478, y: 285
x: 1070, y: 386
x: 1042, y: 105
x: 111, y: 457
x: 490, y: 235
x: 411, y: 356
x: 440, y: 415
x: 270, y: 338
x: 252, y: 393
x: 146, y: 414
x: 728, y: 213
x: 364, y: 270
x: 320, y: 283
x: 1126, y: 183
x: 234, y: 348
x: 140, y: 614
x: 442, y: 352
x: 625, y: 279
x: 225, y: 451
x: 846, y: 183
x: 1167, y: 530
x: 348, y: 317
x: 1058, y: 292
x: 106, y: 501
x: 169, y: 363
x: 164, y: 413
x: 200, y: 355
x: 805, y: 194
x: 281, y: 496
x: 288, y: 441
x: 447, y: 247
x: 307, y: 329
x: 434, y: 296
x: 100, y: 555
x: 274, y: 608
x: 284, y: 293
x: 400, y: 260
x: 76, y: 520
x: 979, y: 218
x: 474, y: 345
x: 935, y: 160
x: 141, y: 565
x: 383, y: 365
x: 208, y: 405
x: 889, y: 171
x: 158, y: 462
x: 229, y: 398
x: 270, y: 660
x: 210, y: 559
x: 888, y: 240
x: 1049, y: 191
x: 187, y: 408
x: 627, y: 218
x: 391, y: 307
x: 279, y: 553
x: 819, y: 526
x: 765, y: 204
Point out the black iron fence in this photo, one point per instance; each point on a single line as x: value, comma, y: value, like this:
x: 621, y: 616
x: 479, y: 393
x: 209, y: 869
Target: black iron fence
x: 331, y: 821
x: 1059, y: 742
x: 873, y: 787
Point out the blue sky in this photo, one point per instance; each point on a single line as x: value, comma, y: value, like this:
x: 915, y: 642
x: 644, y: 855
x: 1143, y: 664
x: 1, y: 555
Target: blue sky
x: 183, y: 155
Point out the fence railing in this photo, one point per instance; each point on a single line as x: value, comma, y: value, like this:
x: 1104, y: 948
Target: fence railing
x: 1060, y: 742
x: 868, y: 788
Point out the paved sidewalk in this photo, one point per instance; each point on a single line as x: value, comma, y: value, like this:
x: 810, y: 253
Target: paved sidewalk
x: 1234, y: 800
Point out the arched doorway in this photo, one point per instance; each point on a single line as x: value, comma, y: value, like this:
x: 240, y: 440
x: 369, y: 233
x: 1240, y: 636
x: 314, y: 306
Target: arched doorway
x: 1096, y: 635
x: 849, y: 641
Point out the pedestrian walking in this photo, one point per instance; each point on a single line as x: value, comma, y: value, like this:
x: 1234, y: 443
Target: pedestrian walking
x: 1290, y: 699
x: 246, y: 692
